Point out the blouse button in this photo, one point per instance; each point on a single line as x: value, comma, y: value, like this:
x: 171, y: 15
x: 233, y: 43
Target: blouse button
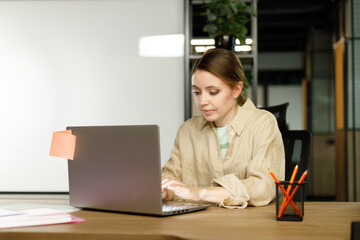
x: 232, y: 133
x: 227, y: 157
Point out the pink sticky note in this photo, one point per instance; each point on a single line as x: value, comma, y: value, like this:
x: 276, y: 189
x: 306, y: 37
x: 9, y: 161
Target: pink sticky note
x: 63, y: 144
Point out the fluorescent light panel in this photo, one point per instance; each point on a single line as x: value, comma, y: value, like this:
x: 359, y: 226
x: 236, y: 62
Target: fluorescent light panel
x: 243, y: 48
x: 197, y: 42
x: 207, y: 41
x: 201, y: 45
x: 201, y: 49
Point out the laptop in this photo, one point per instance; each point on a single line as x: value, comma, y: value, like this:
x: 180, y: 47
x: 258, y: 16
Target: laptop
x: 118, y: 168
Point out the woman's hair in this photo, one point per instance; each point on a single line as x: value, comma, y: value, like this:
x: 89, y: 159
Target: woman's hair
x: 225, y: 65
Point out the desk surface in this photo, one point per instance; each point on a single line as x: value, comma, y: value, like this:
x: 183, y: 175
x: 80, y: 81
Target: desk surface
x: 322, y: 220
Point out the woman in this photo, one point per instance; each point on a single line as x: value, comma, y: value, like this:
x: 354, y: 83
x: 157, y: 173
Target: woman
x: 224, y: 156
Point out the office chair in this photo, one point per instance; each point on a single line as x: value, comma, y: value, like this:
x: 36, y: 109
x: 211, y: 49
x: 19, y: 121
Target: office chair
x: 279, y: 112
x: 297, y: 145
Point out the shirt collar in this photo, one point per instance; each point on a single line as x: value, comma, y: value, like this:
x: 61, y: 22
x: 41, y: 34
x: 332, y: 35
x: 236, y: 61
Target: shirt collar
x: 242, y: 116
x: 205, y: 123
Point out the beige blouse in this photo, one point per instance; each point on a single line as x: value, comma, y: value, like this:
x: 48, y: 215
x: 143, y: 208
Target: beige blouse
x: 255, y: 147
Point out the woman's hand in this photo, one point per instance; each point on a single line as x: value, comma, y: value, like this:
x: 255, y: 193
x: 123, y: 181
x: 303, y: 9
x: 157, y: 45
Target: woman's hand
x: 170, y: 187
x: 167, y: 195
x: 180, y: 189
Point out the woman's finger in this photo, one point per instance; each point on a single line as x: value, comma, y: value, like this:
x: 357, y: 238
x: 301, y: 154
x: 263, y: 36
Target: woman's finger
x: 171, y: 182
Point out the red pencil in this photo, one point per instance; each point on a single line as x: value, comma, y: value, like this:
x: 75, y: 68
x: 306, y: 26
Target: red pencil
x: 292, y: 194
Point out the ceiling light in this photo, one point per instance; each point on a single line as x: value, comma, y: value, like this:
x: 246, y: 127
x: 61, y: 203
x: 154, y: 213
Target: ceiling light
x: 247, y: 41
x: 201, y: 49
x: 243, y: 48
x: 197, y: 42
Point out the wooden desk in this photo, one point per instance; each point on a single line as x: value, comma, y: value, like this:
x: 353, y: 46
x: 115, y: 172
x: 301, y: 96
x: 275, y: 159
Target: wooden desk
x: 322, y: 220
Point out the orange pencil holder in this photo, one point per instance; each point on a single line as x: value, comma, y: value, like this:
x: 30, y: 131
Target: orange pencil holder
x: 290, y: 205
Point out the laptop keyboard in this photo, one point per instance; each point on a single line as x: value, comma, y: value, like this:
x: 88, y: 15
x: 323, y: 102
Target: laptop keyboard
x: 171, y: 207
x: 168, y: 208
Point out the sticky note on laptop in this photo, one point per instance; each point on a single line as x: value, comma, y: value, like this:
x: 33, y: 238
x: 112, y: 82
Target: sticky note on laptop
x: 63, y: 144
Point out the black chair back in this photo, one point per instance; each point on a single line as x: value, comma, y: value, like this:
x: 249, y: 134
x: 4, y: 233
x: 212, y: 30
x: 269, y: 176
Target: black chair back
x: 297, y: 146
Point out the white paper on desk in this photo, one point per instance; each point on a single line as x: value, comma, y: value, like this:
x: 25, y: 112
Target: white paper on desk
x: 5, y: 212
x: 35, y: 217
x: 26, y: 206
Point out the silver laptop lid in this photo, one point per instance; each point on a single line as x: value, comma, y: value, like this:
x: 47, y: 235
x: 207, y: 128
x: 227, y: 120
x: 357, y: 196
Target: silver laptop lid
x: 116, y: 168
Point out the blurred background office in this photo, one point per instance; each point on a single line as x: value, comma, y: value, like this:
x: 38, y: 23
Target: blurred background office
x: 306, y: 53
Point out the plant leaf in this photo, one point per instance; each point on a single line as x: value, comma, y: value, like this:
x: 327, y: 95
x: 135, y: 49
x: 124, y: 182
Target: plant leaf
x: 227, y: 17
x: 210, y: 28
x: 251, y: 11
x: 240, y: 4
x: 210, y: 16
x: 233, y: 8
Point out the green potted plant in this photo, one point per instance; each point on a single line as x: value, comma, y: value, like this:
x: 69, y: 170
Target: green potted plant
x: 226, y: 21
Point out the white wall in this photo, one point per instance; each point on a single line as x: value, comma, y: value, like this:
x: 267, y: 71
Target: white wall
x: 278, y: 94
x: 77, y: 63
x: 292, y: 94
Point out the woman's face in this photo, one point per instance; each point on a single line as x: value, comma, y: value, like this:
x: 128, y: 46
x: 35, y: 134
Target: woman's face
x: 215, y: 98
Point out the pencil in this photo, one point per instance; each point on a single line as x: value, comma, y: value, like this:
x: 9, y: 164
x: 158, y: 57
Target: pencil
x: 285, y: 193
x: 293, y: 175
x: 289, y: 200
